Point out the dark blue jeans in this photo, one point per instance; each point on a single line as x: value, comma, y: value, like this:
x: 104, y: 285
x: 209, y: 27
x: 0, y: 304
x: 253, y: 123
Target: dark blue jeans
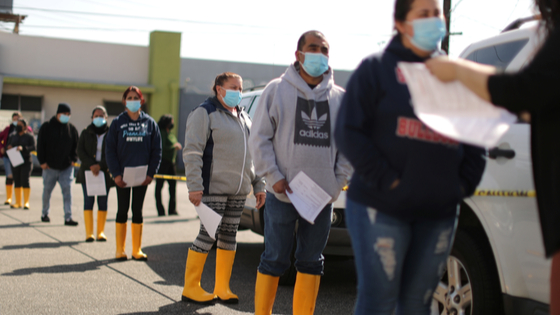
x: 279, y: 226
x: 90, y: 200
x: 398, y: 263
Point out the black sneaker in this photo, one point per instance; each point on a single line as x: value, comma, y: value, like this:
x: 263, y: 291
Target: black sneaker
x: 70, y: 222
x: 45, y: 218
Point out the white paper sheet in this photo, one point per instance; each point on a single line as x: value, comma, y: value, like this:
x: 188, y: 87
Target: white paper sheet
x: 95, y: 184
x: 209, y: 218
x: 452, y: 110
x: 307, y: 197
x: 15, y: 157
x: 135, y: 176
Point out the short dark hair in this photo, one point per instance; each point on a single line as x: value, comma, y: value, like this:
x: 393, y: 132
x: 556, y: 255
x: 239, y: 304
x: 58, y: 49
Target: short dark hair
x: 165, y: 121
x: 301, y: 40
x: 23, y: 121
x: 222, y: 78
x: 550, y: 13
x: 16, y: 114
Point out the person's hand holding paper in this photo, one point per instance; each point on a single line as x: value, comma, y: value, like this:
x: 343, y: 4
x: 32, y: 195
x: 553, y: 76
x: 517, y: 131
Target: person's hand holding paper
x: 307, y: 197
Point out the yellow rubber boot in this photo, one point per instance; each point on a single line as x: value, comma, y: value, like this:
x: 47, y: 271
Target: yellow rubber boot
x: 120, y: 236
x: 88, y: 222
x: 305, y: 293
x: 192, y: 292
x: 224, y: 265
x: 9, y: 190
x: 101, y: 219
x: 265, y: 293
x: 26, y: 195
x: 16, y: 205
x: 137, y: 253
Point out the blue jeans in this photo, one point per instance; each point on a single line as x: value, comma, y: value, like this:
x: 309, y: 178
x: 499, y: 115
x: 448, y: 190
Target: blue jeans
x: 7, y: 165
x: 398, y: 263
x: 90, y: 200
x: 279, y: 226
x: 64, y: 178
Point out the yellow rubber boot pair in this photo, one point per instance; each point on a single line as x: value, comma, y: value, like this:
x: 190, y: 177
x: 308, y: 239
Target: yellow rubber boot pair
x: 101, y: 219
x: 224, y: 265
x: 120, y: 237
x: 26, y: 195
x: 305, y: 293
x: 9, y: 191
x: 265, y: 293
x: 18, y: 204
x: 88, y: 223
x: 192, y: 292
x: 137, y: 253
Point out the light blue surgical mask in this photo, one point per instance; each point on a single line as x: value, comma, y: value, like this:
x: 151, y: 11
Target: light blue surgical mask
x: 133, y: 106
x: 14, y: 123
x: 99, y: 122
x: 232, y: 98
x: 64, y: 118
x: 315, y: 64
x: 428, y: 32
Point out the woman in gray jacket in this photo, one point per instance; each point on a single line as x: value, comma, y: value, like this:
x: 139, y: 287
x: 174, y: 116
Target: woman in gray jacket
x: 220, y: 174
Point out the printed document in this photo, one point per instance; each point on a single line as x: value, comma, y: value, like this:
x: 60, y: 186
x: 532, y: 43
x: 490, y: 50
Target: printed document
x: 209, y: 218
x: 452, y: 110
x: 15, y: 157
x: 307, y: 197
x: 95, y: 184
x: 135, y: 176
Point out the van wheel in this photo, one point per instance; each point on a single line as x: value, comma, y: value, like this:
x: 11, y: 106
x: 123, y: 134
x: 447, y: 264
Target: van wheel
x: 470, y: 286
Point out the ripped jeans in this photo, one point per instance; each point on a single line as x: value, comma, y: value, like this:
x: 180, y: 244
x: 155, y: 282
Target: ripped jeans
x: 398, y: 263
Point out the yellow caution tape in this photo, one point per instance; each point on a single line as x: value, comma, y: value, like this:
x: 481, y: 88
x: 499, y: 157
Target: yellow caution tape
x: 171, y: 177
x: 505, y: 193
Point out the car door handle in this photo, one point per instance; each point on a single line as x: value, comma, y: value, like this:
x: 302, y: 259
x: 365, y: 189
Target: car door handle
x: 497, y: 152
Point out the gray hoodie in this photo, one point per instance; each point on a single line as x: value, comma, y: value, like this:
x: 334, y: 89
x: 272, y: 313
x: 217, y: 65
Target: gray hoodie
x: 293, y: 131
x: 216, y: 157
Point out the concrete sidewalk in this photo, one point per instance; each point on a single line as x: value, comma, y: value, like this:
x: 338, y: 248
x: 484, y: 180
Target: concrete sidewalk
x: 48, y: 268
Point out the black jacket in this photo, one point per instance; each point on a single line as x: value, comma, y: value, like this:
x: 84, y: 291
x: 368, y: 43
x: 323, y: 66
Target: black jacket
x: 87, y: 150
x: 57, y: 144
x: 378, y: 132
x: 536, y: 89
x: 26, y: 141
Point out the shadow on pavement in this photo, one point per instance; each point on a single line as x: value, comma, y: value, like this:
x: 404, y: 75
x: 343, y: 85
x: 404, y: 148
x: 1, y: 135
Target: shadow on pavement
x: 92, y: 265
x: 40, y: 245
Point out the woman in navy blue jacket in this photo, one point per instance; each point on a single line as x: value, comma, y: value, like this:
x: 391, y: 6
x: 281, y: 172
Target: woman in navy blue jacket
x: 133, y: 140
x: 402, y: 202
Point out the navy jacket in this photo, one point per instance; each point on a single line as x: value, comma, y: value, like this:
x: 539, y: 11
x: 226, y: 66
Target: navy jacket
x: 379, y: 133
x: 133, y: 143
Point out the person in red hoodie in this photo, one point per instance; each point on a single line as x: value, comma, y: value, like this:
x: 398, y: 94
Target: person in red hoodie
x: 4, y: 135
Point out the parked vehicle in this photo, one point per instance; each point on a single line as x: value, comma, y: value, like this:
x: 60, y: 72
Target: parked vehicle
x: 497, y: 264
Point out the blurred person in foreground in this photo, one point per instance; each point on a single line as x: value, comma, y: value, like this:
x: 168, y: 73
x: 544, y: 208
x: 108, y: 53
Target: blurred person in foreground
x: 4, y: 136
x: 403, y: 200
x: 292, y: 132
x: 169, y: 148
x: 220, y: 174
x: 534, y: 91
x: 25, y: 144
x: 133, y: 140
x: 91, y: 151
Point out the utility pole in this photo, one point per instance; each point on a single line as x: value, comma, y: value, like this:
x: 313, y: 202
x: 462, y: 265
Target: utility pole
x: 447, y: 14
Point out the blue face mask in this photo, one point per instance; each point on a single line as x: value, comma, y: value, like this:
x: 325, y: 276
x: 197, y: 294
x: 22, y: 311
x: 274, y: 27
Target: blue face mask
x: 99, y: 122
x: 14, y: 123
x: 133, y: 106
x: 428, y: 33
x: 64, y: 119
x: 315, y: 64
x: 232, y: 98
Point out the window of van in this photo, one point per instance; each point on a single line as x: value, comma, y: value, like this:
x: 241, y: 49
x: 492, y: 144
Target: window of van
x: 499, y: 55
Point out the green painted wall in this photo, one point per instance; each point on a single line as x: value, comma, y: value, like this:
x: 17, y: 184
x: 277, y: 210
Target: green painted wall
x: 165, y: 74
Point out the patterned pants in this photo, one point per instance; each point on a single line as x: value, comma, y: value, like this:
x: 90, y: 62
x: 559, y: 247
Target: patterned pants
x: 230, y: 207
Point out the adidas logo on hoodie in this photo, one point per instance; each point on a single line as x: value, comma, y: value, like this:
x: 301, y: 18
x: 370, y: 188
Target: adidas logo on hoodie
x: 313, y: 123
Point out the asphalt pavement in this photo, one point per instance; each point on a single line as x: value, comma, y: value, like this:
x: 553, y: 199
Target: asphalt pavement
x: 48, y: 268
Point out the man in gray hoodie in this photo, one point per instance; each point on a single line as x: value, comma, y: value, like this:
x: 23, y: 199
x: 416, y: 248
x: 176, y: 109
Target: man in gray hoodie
x: 293, y: 131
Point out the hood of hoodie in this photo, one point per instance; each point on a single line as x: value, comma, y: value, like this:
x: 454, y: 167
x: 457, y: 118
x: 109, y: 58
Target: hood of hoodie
x: 293, y: 77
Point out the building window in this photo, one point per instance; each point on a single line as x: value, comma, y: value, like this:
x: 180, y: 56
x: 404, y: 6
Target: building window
x: 115, y: 108
x: 21, y: 103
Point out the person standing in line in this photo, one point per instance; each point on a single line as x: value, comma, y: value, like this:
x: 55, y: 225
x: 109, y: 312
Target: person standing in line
x: 4, y: 135
x: 169, y: 147
x: 91, y: 151
x: 25, y: 144
x: 133, y: 140
x: 292, y: 133
x: 402, y: 202
x: 220, y: 174
x: 532, y: 92
x: 57, y: 152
